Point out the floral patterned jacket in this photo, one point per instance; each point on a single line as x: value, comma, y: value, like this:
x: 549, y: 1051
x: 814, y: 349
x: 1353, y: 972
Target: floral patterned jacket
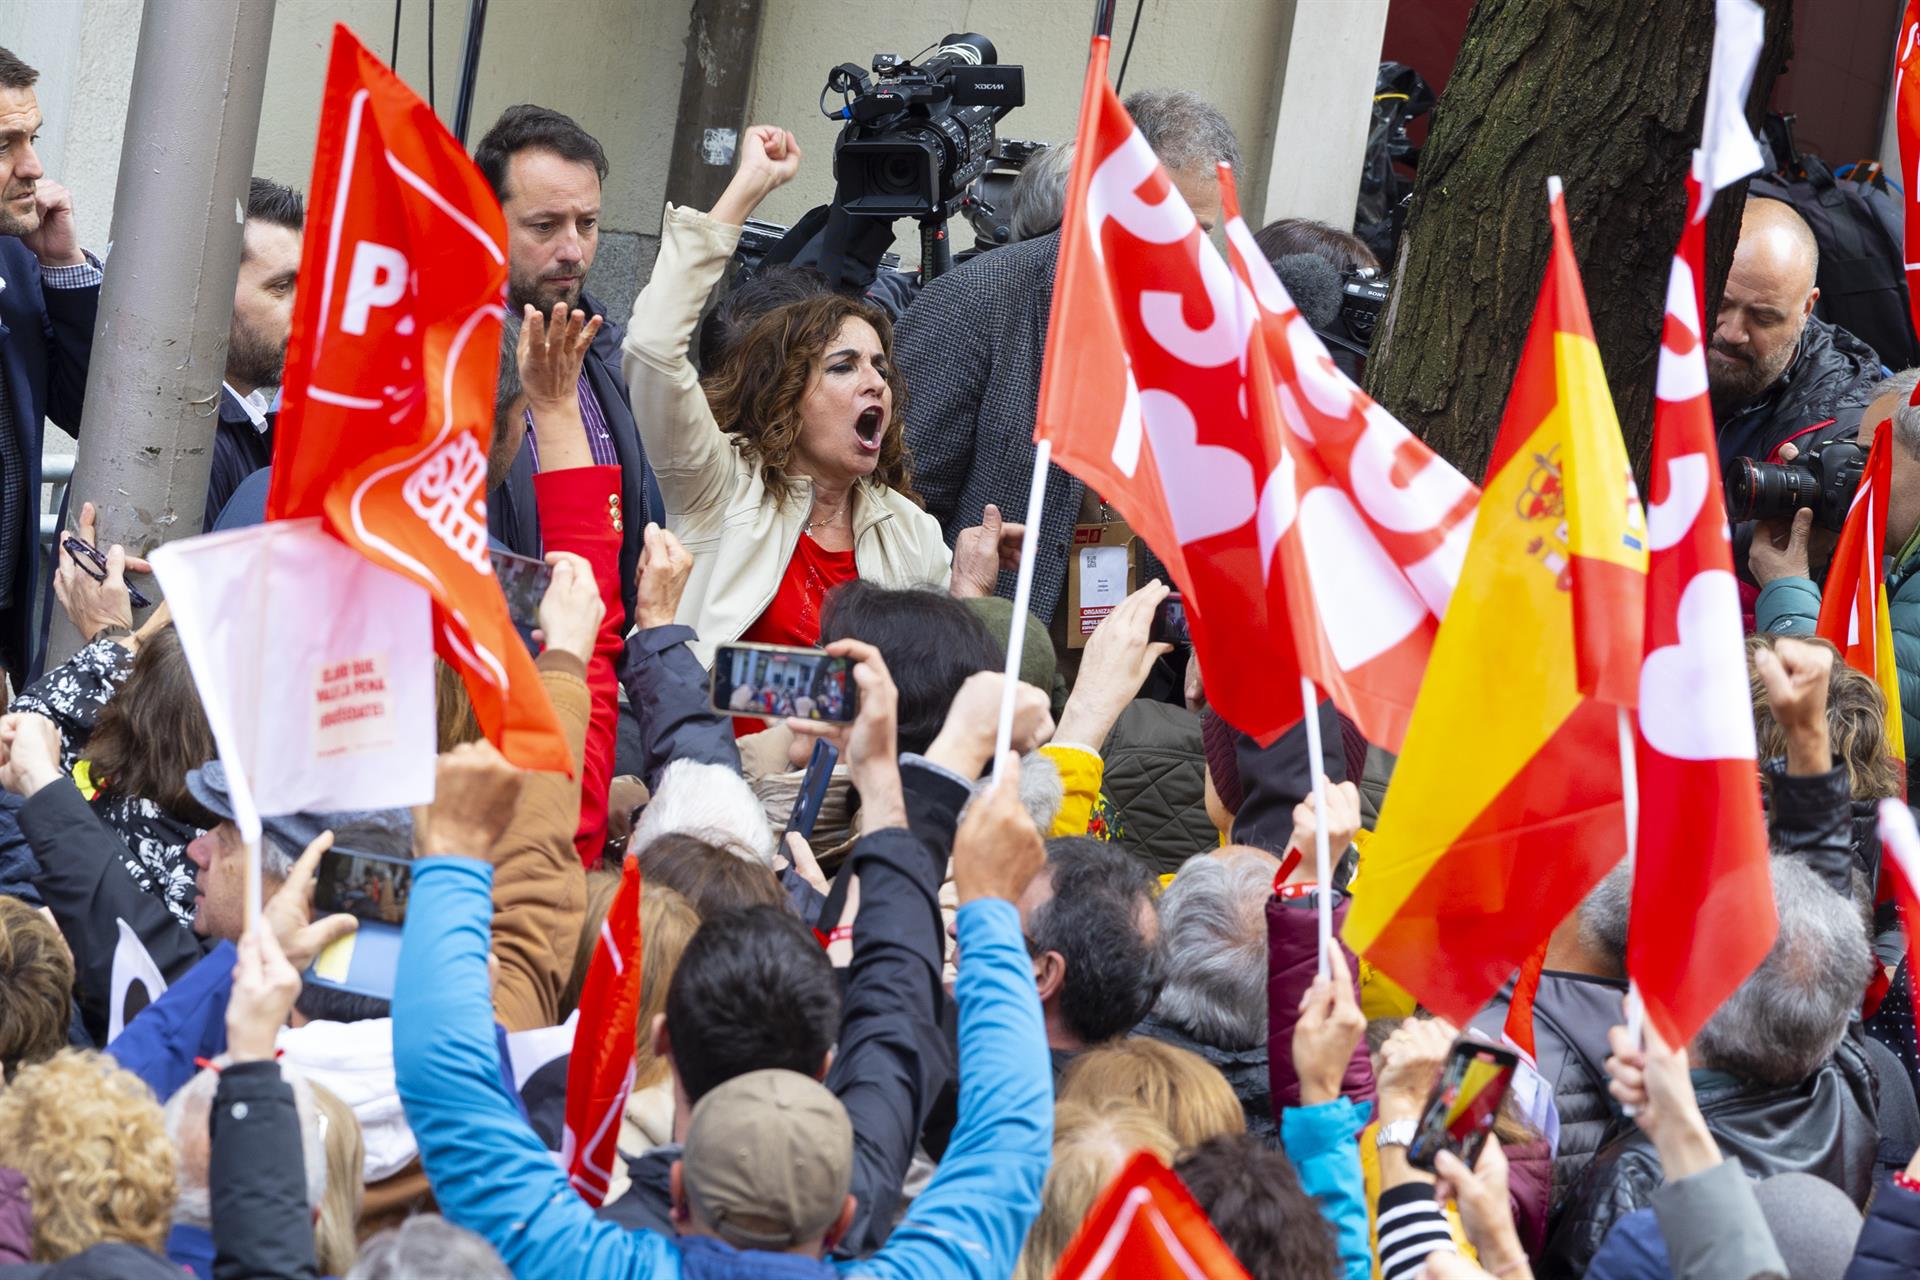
x: 72, y: 696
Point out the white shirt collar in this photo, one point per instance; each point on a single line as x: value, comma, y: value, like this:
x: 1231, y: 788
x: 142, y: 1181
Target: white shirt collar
x: 256, y: 405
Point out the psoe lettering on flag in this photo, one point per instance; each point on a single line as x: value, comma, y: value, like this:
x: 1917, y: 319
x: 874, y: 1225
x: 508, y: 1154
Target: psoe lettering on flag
x: 391, y: 376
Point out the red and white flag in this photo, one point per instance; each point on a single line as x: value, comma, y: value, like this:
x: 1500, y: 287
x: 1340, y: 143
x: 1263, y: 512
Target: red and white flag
x: 1701, y: 886
x: 600, y: 1072
x: 1300, y: 521
x: 1146, y: 1226
x: 1906, y: 106
x: 391, y: 376
x: 1900, y: 873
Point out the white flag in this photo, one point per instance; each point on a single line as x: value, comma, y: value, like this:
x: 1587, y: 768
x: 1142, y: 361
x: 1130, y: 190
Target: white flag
x: 315, y: 667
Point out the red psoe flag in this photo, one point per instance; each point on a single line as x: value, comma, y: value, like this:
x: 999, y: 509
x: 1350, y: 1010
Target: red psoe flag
x: 600, y: 1072
x: 1703, y: 916
x: 1146, y: 1226
x: 1299, y: 519
x: 390, y: 379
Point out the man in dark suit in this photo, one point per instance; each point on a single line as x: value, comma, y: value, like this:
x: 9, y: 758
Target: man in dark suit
x: 49, y: 294
x: 257, y: 340
x: 546, y: 171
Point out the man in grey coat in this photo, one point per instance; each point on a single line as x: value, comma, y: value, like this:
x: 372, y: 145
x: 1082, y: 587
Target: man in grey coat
x: 972, y: 343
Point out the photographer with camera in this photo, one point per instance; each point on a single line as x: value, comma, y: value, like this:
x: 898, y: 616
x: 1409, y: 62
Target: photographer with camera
x: 1789, y: 552
x: 1776, y: 372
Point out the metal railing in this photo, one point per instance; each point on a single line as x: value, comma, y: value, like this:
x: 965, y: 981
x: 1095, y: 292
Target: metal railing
x: 56, y: 472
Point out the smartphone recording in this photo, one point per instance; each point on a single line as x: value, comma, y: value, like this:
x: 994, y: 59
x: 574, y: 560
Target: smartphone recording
x: 523, y: 581
x: 369, y: 887
x: 1461, y: 1111
x: 772, y: 682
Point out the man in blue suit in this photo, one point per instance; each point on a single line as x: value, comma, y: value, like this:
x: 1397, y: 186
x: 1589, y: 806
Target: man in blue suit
x: 49, y: 293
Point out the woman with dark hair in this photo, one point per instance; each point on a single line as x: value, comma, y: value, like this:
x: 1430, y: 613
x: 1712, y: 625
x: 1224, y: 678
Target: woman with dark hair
x: 786, y: 474
x: 1342, y: 250
x: 131, y: 727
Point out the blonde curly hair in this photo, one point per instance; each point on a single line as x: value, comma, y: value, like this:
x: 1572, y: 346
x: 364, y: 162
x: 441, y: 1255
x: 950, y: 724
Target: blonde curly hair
x: 89, y: 1138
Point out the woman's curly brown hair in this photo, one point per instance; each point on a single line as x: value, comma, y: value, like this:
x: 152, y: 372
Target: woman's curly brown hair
x: 756, y: 394
x: 93, y: 1146
x: 153, y: 731
x: 1856, y: 722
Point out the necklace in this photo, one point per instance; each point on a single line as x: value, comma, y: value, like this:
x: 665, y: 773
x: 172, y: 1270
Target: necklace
x: 828, y: 519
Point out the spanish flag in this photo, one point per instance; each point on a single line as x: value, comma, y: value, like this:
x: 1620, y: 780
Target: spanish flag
x: 1505, y: 808
x: 1853, y: 613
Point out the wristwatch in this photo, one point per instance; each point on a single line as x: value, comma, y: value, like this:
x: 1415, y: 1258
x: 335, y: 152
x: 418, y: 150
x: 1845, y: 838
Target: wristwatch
x: 113, y: 632
x: 1398, y: 1133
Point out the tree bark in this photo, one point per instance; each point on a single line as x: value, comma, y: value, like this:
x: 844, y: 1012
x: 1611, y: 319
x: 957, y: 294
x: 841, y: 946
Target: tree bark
x: 1607, y: 94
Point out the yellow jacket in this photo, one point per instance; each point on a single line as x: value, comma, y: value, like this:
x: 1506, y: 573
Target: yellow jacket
x: 1080, y: 772
x: 741, y: 533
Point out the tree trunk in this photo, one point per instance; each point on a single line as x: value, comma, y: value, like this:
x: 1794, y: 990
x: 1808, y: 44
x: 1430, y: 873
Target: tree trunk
x: 1608, y: 95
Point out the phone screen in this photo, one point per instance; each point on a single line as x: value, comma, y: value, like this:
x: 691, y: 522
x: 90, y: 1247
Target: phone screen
x: 773, y: 682
x: 1461, y: 1112
x: 1170, y: 622
x: 363, y: 885
x: 523, y: 581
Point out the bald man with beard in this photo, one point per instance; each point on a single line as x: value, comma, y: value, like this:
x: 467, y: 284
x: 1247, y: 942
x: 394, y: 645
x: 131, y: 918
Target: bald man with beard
x: 1777, y: 373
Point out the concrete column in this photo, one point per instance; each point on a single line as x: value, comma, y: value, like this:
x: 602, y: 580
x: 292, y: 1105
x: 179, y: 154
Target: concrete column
x: 160, y: 347
x: 1323, y: 95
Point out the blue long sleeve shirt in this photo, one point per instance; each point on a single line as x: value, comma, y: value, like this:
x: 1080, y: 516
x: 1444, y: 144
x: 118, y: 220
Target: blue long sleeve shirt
x: 492, y: 1175
x: 1322, y: 1143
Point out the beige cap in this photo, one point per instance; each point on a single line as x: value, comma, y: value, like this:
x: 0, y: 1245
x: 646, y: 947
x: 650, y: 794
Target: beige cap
x: 768, y: 1160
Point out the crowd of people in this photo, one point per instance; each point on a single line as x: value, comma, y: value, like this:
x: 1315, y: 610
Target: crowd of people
x: 922, y: 1038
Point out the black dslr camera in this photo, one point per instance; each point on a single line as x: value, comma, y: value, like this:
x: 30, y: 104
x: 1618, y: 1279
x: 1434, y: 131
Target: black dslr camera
x: 1824, y: 478
x: 919, y: 134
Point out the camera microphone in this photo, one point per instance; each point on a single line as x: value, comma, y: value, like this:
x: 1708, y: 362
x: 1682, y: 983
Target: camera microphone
x: 1314, y: 285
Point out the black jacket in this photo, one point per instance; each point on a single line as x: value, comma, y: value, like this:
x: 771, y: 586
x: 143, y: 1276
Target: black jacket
x: 667, y: 689
x: 1811, y: 818
x: 512, y: 514
x: 1245, y: 1070
x: 239, y: 450
x: 893, y: 1056
x: 1572, y: 1013
x: 84, y: 881
x: 262, y: 1225
x: 46, y: 340
x: 1819, y: 397
x: 1825, y: 1126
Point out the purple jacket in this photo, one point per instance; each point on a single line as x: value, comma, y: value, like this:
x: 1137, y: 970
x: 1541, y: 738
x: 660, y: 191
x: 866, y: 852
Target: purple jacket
x: 16, y: 1217
x: 1292, y: 960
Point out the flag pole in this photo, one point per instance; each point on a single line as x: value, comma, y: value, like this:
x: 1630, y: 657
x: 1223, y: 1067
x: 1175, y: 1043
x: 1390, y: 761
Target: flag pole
x: 1630, y: 803
x: 1022, y: 594
x: 1322, y: 872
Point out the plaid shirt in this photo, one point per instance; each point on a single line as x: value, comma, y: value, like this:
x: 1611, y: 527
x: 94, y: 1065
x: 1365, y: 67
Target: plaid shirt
x: 970, y: 347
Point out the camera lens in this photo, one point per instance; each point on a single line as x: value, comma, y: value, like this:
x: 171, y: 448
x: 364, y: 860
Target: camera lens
x: 1768, y: 490
x: 899, y: 174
